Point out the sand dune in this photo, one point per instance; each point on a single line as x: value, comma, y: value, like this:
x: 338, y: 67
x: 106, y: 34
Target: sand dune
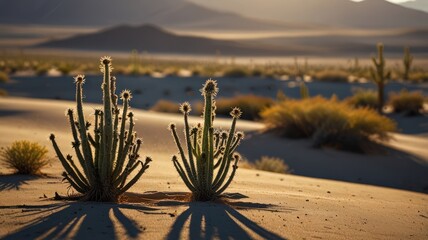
x: 268, y: 206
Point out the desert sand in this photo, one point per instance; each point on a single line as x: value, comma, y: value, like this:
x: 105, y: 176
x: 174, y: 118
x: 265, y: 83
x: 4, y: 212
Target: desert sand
x: 259, y: 205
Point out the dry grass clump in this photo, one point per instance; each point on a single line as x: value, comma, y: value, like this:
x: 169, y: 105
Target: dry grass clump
x: 272, y: 164
x: 410, y: 103
x: 236, y: 72
x: 251, y: 105
x: 3, y: 93
x: 331, y: 75
x: 364, y: 99
x: 266, y: 163
x: 328, y: 122
x: 4, y: 77
x: 165, y: 106
x: 25, y: 157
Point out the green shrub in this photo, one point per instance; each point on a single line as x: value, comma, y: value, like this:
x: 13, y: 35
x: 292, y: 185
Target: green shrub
x: 328, y: 122
x: 25, y: 157
x: 410, y: 103
x: 419, y: 76
x: 271, y: 164
x: 165, y: 106
x: 4, y: 77
x: 364, y: 99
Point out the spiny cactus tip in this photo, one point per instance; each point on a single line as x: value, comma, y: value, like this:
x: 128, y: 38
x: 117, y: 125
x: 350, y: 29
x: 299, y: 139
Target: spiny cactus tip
x: 210, y: 87
x: 171, y: 126
x: 236, y: 112
x: 185, y: 108
x: 105, y: 60
x: 52, y: 136
x: 80, y: 79
x: 126, y: 94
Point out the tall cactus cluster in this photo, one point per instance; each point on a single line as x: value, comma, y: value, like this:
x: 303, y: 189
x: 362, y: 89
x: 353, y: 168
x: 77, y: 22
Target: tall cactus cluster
x: 109, y: 155
x: 407, y: 63
x: 210, y: 153
x: 380, y: 75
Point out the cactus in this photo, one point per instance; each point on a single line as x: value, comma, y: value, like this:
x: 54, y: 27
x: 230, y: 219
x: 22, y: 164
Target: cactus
x: 210, y: 153
x: 109, y: 155
x: 304, y: 91
x: 379, y: 75
x: 407, y: 62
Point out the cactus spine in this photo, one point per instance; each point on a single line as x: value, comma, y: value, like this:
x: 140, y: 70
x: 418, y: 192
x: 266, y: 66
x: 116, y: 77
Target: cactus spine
x: 407, y: 62
x: 210, y: 153
x: 102, y: 156
x: 379, y: 75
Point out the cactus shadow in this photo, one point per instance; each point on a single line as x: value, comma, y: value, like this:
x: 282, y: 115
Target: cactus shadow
x: 14, y: 181
x: 218, y: 221
x: 78, y: 221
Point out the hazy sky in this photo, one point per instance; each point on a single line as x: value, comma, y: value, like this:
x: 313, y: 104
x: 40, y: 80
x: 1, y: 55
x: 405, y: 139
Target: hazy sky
x: 394, y: 1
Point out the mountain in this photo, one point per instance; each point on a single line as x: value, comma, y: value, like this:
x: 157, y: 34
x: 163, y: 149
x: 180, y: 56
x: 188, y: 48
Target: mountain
x: 156, y: 40
x: 416, y: 4
x: 336, y: 13
x: 178, y: 14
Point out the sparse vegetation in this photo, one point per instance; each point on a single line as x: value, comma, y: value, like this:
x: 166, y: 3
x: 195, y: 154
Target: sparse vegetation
x: 332, y: 75
x: 25, y: 157
x: 3, y: 93
x: 109, y: 155
x: 3, y: 77
x: 210, y: 153
x: 271, y: 164
x: 328, y: 122
x: 251, y: 105
x: 363, y: 98
x: 165, y: 106
x: 410, y: 103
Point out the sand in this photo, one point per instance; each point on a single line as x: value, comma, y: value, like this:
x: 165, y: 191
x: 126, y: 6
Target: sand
x: 260, y: 205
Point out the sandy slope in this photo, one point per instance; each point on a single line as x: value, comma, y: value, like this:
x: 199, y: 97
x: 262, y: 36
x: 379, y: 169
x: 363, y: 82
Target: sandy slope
x: 268, y: 206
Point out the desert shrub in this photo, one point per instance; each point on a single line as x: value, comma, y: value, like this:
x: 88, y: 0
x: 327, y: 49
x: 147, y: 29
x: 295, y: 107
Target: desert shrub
x: 364, y: 98
x: 331, y: 75
x: 271, y: 164
x: 4, y: 77
x: 410, y: 103
x: 419, y: 76
x: 328, y: 122
x: 251, y: 105
x: 236, y: 72
x: 165, y: 106
x: 25, y: 157
x: 3, y: 93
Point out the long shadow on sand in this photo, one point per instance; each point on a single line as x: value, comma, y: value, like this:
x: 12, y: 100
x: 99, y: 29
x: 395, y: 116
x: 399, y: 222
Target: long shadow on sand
x: 9, y: 182
x: 78, y: 221
x: 388, y: 167
x: 218, y: 221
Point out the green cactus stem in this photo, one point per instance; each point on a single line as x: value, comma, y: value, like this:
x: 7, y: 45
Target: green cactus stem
x: 407, y: 63
x: 210, y: 164
x: 380, y: 75
x: 108, y: 156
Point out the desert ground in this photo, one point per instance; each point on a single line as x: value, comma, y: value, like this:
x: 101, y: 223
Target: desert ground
x: 257, y: 205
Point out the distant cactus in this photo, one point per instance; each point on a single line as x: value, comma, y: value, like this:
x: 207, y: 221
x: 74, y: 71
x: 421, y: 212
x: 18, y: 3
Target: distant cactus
x: 210, y: 153
x: 407, y: 62
x: 379, y: 75
x: 102, y: 156
x: 304, y: 91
